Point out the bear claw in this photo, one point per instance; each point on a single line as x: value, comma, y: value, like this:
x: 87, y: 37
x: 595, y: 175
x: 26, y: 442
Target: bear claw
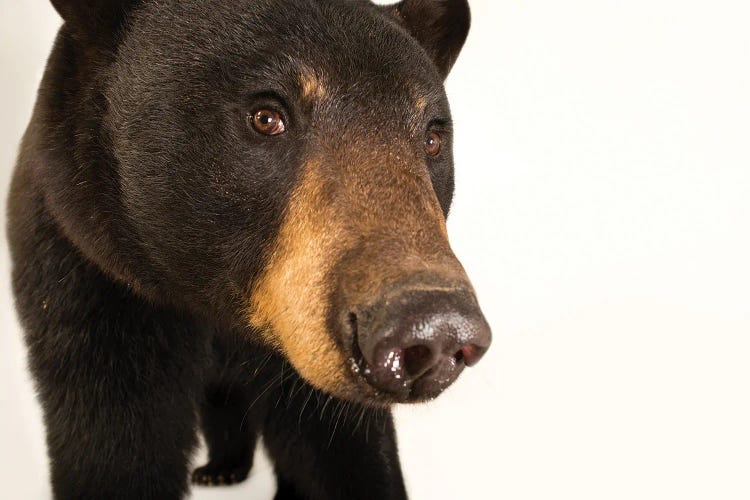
x: 209, y: 475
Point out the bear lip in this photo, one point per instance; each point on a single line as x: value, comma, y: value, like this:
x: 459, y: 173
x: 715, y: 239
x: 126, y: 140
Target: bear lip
x: 358, y: 368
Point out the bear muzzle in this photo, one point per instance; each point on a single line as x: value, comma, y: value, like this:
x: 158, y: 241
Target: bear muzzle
x: 362, y: 292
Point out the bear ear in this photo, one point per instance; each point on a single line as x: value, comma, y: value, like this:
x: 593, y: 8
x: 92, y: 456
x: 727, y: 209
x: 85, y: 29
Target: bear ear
x: 98, y: 19
x: 440, y: 26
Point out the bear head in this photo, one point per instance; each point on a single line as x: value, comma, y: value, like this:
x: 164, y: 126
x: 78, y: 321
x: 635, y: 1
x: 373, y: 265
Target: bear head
x: 285, y: 168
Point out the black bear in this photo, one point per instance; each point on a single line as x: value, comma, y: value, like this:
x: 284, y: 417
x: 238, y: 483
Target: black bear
x: 229, y: 215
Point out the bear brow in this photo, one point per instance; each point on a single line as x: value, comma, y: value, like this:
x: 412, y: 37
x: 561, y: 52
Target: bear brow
x: 311, y: 85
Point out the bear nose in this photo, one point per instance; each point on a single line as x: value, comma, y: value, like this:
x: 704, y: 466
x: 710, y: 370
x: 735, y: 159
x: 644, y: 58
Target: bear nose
x: 415, y: 344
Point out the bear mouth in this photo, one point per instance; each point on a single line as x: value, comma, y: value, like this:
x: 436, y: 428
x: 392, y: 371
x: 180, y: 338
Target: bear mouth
x: 357, y: 363
x: 358, y: 367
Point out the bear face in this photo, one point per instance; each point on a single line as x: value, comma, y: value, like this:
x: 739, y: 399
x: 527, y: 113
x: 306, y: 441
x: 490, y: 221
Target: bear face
x: 285, y: 168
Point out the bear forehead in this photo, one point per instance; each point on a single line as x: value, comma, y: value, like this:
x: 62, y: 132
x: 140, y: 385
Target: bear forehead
x: 340, y: 40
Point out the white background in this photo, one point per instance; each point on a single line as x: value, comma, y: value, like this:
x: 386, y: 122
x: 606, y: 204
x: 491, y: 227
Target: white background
x: 602, y: 210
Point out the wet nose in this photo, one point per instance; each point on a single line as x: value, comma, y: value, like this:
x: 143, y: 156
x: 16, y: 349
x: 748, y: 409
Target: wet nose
x: 415, y: 343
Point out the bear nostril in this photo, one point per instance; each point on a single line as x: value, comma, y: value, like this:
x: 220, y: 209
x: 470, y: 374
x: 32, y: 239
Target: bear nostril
x: 470, y: 354
x: 459, y: 356
x: 417, y: 360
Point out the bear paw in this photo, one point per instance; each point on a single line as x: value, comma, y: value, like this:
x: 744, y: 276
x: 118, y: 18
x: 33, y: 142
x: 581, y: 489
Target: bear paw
x: 219, y: 475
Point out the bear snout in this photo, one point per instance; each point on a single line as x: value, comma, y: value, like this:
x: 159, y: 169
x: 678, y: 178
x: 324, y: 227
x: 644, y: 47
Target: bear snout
x: 414, y: 342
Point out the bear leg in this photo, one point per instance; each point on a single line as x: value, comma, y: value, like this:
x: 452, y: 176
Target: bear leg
x: 326, y: 448
x: 119, y: 378
x: 230, y: 433
x: 285, y: 490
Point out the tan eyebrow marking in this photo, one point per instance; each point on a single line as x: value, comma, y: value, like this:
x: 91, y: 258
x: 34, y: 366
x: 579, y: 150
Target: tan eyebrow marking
x: 311, y: 86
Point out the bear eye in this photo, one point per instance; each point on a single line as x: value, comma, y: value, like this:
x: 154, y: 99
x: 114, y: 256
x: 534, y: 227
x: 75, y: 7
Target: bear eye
x: 432, y: 143
x: 267, y: 122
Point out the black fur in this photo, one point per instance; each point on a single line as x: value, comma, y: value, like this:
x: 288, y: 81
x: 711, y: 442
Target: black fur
x: 139, y: 211
x: 441, y: 27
